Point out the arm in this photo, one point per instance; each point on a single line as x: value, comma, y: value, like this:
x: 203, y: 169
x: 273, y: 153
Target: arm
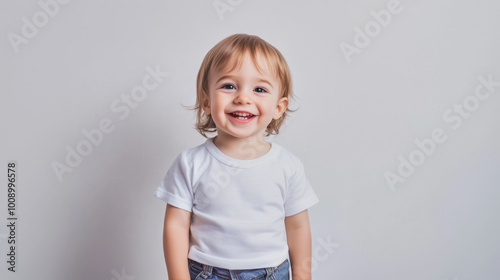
x: 176, y: 242
x: 298, y: 234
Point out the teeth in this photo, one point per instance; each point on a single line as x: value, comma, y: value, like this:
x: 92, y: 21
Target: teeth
x: 241, y: 114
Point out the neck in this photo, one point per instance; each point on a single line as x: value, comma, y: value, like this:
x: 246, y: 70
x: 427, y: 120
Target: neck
x: 242, y: 148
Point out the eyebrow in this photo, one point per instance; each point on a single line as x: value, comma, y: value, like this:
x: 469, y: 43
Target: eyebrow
x: 267, y: 82
x: 232, y: 77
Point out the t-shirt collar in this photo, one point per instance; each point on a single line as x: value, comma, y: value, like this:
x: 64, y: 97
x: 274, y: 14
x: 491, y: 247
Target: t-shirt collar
x: 242, y: 163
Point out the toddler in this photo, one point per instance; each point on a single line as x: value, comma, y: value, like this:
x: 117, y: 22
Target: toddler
x: 237, y: 204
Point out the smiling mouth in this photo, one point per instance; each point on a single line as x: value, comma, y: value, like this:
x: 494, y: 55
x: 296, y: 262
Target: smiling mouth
x: 241, y: 116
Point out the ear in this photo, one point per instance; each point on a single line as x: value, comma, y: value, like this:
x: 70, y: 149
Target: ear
x: 280, y: 107
x: 206, y: 106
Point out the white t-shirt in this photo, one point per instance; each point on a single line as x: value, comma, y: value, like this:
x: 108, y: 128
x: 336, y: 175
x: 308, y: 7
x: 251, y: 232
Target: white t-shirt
x: 238, y: 206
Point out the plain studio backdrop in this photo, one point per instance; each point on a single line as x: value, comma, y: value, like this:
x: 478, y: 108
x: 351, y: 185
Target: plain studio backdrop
x: 397, y: 126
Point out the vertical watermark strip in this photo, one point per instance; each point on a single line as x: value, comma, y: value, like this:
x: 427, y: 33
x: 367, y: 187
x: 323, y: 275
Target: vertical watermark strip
x: 12, y: 217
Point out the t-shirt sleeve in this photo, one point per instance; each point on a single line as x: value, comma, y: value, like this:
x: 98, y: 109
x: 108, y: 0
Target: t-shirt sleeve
x: 300, y: 195
x: 175, y: 189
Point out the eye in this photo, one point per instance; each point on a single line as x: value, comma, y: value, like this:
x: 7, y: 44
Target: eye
x: 260, y: 90
x: 228, y: 86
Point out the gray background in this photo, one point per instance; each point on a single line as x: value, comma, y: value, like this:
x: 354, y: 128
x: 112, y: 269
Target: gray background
x: 102, y: 222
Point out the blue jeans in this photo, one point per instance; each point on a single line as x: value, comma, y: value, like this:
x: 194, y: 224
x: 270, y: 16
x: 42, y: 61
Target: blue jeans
x: 200, y: 271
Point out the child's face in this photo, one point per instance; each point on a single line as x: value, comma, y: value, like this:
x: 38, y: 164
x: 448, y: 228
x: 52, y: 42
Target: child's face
x: 244, y: 91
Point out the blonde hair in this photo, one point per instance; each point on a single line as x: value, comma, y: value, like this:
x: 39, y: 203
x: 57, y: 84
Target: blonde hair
x: 228, y: 54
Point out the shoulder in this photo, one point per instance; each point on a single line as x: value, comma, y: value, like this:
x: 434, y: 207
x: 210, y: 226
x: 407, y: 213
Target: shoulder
x: 286, y: 154
x: 194, y: 152
x: 189, y: 157
x: 288, y: 158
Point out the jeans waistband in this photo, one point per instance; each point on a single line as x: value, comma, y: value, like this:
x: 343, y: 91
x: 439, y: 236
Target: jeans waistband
x: 208, y: 270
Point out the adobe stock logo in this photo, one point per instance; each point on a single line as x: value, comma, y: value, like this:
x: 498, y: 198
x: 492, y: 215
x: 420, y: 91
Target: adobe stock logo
x: 323, y: 250
x: 454, y: 118
x: 220, y: 179
x: 121, y: 276
x: 30, y: 28
x: 95, y: 136
x: 372, y: 29
x: 223, y: 6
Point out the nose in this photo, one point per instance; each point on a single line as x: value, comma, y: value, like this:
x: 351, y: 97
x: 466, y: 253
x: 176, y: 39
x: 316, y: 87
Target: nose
x: 242, y: 97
